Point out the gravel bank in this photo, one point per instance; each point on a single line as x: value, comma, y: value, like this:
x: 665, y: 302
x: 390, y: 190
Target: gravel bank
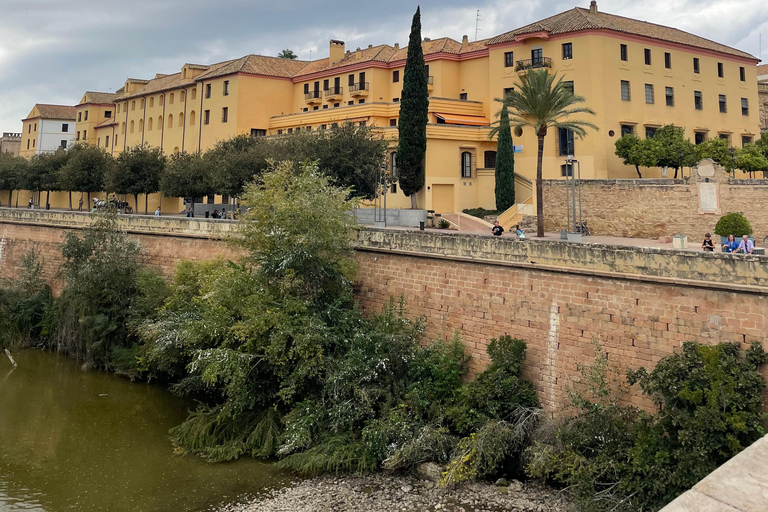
x: 381, y: 493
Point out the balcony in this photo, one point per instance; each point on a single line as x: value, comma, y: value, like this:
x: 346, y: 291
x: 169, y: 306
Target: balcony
x: 430, y: 83
x: 359, y: 90
x: 334, y: 94
x: 313, y: 97
x: 540, y: 62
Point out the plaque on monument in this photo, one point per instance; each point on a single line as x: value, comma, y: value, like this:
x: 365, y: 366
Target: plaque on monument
x: 706, y: 169
x: 708, y: 198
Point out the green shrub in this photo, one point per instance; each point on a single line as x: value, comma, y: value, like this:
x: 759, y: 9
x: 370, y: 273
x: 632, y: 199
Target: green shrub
x: 733, y: 224
x: 443, y: 224
x: 480, y: 212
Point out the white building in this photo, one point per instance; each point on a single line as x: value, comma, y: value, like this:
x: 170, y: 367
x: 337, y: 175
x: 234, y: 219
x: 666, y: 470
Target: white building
x: 47, y: 128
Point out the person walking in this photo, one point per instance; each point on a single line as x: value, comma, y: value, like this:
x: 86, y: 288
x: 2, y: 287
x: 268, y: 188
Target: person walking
x: 497, y: 230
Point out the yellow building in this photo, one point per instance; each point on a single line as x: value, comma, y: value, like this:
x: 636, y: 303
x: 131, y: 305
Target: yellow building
x: 47, y: 128
x: 636, y: 75
x: 95, y: 108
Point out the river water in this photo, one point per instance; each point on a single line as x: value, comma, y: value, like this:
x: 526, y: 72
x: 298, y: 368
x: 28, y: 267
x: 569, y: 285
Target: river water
x: 73, y: 440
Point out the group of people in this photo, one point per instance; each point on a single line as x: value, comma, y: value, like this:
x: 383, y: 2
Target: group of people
x: 498, y: 230
x: 743, y: 246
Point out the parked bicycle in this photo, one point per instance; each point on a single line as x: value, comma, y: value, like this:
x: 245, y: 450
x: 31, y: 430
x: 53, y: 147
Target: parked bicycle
x: 583, y: 229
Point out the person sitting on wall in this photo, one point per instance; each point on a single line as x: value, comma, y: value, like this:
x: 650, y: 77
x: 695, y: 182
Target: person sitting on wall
x: 519, y: 232
x: 707, y: 245
x: 497, y: 230
x: 157, y: 212
x: 746, y: 246
x: 223, y: 213
x: 731, y: 245
x: 215, y: 214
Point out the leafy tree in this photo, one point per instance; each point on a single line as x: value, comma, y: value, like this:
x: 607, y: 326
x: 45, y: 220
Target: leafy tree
x: 750, y: 159
x: 733, y: 223
x: 12, y: 172
x: 287, y: 54
x: 236, y: 161
x: 674, y: 149
x: 85, y: 170
x: 542, y: 101
x: 505, y: 162
x: 717, y: 149
x: 187, y: 175
x: 638, y: 152
x: 137, y: 171
x: 43, y: 173
x: 762, y: 144
x: 412, y: 126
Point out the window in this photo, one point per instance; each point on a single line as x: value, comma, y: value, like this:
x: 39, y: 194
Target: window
x: 84, y: 136
x: 279, y: 132
x: 207, y: 117
x: 171, y: 99
x: 696, y: 68
x: 86, y: 114
x: 226, y: 87
x: 508, y: 90
x: 192, y: 118
x: 361, y: 77
x: 170, y: 121
x: 107, y: 114
x: 649, y: 98
x: 159, y: 122
x: 395, y: 100
x: 257, y: 132
x: 290, y: 130
x: 537, y: 56
x: 697, y: 101
x: 625, y: 93
x: 490, y: 159
x: 362, y: 100
x: 627, y: 129
x: 181, y: 120
x: 351, y: 80
x: 316, y: 107
x: 106, y: 141
x: 77, y: 136
x: 567, y: 51
x: 667, y: 60
x: 568, y: 86
x: 141, y: 125
x: 149, y: 124
x: 133, y: 105
x: 744, y: 107
x: 207, y: 90
x: 699, y: 137
x: 33, y: 142
x: 182, y: 97
x: 720, y: 72
x: 509, y: 59
x: 742, y: 77
x: 393, y: 122
x: 463, y: 96
x: 193, y: 93
x: 29, y: 129
x: 647, y: 53
x: 323, y: 126
x: 335, y: 105
x: 566, y: 170
x: 363, y: 123
x: 351, y: 102
x: 64, y: 128
x: 118, y: 109
x: 744, y: 141
x: 306, y: 88
x: 650, y: 132
x: 565, y: 141
x: 623, y: 52
x: 129, y: 131
x: 325, y: 85
x: 225, y: 114
x: 670, y: 94
x: 79, y: 117
x: 151, y: 103
x: 396, y: 76
x: 28, y: 141
x: 723, y: 106
x: 63, y: 144
x: 466, y: 164
x: 726, y: 137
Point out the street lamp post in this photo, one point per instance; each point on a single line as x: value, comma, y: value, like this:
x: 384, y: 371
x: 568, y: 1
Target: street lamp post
x: 573, y: 194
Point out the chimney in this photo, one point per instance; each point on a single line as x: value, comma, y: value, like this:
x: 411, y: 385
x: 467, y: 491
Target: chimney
x: 397, y: 46
x: 464, y: 41
x: 337, y: 51
x: 593, y: 7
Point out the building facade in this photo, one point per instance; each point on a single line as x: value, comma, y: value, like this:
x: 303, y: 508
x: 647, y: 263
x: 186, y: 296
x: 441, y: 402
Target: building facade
x: 47, y: 128
x: 10, y: 143
x: 635, y: 75
x: 762, y: 91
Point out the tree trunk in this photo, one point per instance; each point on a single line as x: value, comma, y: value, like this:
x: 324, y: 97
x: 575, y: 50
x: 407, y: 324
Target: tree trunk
x: 10, y: 196
x: 136, y: 202
x: 675, y: 173
x: 47, y: 199
x: 89, y: 202
x: 539, y: 188
x: 70, y: 200
x: 414, y: 206
x: 146, y: 200
x: 17, y: 199
x: 637, y: 168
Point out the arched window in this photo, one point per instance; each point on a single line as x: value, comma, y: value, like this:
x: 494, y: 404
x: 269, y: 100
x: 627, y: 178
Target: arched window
x: 170, y: 99
x: 170, y: 120
x: 490, y: 159
x: 151, y: 102
x: 149, y: 124
x: 159, y: 122
x: 466, y: 164
x: 184, y: 73
x: 192, y: 118
x: 141, y: 125
x: 176, y: 150
x: 131, y: 131
x: 133, y: 105
x: 182, y: 95
x: 141, y: 105
x: 160, y: 100
x: 181, y: 119
x: 394, y: 164
x: 194, y: 93
x: 122, y: 128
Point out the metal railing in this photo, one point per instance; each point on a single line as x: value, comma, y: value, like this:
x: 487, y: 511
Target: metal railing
x: 312, y: 95
x: 540, y: 62
x: 334, y: 91
x: 361, y: 86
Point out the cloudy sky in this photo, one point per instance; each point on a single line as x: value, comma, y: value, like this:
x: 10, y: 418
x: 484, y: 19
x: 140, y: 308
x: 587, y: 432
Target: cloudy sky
x: 52, y: 51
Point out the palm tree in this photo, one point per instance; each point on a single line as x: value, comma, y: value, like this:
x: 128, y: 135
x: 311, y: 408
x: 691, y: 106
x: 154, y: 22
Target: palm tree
x: 542, y: 101
x: 287, y: 54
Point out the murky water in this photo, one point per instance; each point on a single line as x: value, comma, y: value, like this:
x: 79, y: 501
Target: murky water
x: 81, y: 441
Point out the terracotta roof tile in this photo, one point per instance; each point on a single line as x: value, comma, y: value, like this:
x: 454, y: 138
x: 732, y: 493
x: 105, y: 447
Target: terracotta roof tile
x: 157, y: 85
x: 380, y: 53
x: 107, y: 122
x: 98, y: 97
x: 255, y: 65
x: 762, y: 70
x: 579, y: 18
x: 56, y: 111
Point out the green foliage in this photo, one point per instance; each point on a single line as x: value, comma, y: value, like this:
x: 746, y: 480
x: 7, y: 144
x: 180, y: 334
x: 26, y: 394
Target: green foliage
x: 187, y: 175
x: 137, y: 170
x: 638, y: 152
x: 43, y: 171
x: 412, y: 126
x: 480, y: 212
x: 443, y: 224
x: 717, y: 149
x: 505, y: 163
x: 709, y: 401
x: 733, y: 223
x: 751, y: 159
x: 12, y: 172
x: 86, y: 169
x: 233, y: 163
x: 674, y: 150
x: 287, y: 54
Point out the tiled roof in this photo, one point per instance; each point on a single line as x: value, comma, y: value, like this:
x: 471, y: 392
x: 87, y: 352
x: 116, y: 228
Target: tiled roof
x: 107, y: 122
x: 762, y: 70
x: 98, y: 97
x: 156, y: 85
x: 255, y: 65
x: 579, y: 18
x: 55, y: 111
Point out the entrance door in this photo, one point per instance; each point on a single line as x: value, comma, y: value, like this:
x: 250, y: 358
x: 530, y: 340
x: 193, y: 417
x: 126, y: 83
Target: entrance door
x: 442, y: 198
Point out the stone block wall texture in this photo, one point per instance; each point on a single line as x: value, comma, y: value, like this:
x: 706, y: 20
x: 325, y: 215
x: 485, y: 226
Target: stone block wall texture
x: 481, y: 288
x: 652, y: 208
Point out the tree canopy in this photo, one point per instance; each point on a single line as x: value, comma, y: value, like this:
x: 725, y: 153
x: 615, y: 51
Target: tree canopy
x: 137, y: 171
x: 287, y: 54
x: 675, y: 150
x: 86, y: 169
x: 12, y: 172
x: 187, y: 175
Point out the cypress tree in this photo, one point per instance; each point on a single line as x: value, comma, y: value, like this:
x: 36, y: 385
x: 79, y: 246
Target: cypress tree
x: 505, y: 164
x: 414, y: 104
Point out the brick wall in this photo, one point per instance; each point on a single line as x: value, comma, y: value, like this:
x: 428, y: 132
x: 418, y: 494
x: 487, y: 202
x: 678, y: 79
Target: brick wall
x: 650, y: 208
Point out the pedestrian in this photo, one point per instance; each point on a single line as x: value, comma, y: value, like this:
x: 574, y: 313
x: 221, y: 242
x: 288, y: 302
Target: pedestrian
x: 190, y: 212
x: 157, y: 212
x: 707, y: 245
x: 497, y: 230
x: 223, y: 213
x: 746, y: 246
x: 31, y: 202
x: 519, y: 232
x: 80, y: 204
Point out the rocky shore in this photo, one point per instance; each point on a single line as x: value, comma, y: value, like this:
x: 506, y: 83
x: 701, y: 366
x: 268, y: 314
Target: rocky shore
x: 383, y: 493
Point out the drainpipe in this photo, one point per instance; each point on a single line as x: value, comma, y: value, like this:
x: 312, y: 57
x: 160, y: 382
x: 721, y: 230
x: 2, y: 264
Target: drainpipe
x: 184, y: 124
x: 162, y: 128
x: 112, y: 146
x: 200, y: 122
x: 125, y: 135
x: 144, y: 120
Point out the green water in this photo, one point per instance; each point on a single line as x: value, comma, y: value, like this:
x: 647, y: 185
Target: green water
x: 73, y: 440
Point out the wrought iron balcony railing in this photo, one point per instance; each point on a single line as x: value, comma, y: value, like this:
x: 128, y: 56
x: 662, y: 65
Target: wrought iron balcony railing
x: 540, y: 62
x: 358, y: 87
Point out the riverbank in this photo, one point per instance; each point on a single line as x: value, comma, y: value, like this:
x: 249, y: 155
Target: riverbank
x: 383, y: 493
